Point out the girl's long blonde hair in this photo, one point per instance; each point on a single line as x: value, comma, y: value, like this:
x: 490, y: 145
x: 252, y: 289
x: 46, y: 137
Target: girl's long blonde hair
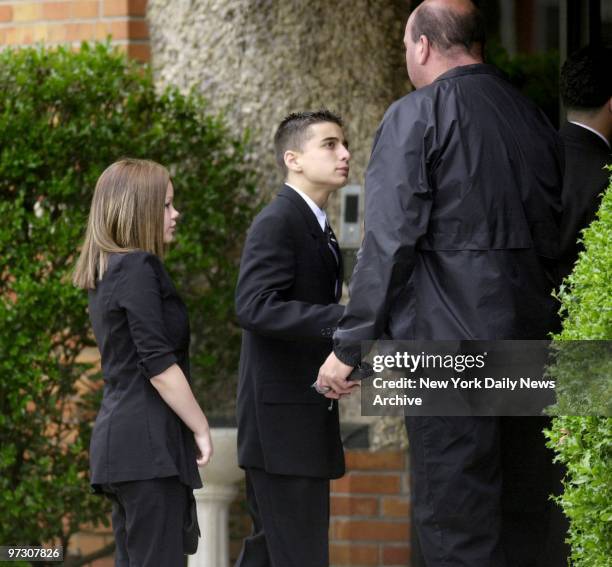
x: 127, y: 213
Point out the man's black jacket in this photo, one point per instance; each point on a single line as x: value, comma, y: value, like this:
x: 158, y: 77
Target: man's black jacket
x: 463, y: 198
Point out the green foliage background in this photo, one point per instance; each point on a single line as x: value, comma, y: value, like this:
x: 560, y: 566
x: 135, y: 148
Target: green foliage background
x: 64, y: 117
x: 584, y: 444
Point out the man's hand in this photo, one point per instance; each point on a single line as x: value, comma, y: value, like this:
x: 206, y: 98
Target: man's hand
x: 333, y: 374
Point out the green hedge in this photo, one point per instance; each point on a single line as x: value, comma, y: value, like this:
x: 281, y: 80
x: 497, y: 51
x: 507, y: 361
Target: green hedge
x: 584, y: 444
x: 64, y: 117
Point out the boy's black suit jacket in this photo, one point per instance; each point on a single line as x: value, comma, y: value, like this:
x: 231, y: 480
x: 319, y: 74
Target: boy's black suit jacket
x: 287, y: 306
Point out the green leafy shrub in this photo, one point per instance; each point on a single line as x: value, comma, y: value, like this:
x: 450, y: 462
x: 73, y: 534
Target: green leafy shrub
x: 582, y: 371
x: 587, y: 292
x: 584, y: 444
x: 64, y: 117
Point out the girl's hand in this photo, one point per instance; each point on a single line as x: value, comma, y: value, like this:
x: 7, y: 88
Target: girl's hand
x: 205, y: 448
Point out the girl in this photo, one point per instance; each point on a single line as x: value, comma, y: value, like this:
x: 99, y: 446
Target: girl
x: 150, y: 433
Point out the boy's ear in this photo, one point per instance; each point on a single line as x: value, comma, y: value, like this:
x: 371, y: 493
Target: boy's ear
x: 292, y: 161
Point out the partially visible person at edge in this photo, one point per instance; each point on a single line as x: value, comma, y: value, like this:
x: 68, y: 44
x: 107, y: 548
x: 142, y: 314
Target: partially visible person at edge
x: 586, y: 91
x: 150, y: 434
x: 463, y: 199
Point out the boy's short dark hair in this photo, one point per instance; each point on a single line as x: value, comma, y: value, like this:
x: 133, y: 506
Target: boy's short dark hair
x: 586, y: 80
x: 292, y: 132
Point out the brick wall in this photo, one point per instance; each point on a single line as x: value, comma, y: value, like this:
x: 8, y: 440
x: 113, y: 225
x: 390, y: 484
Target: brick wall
x: 56, y: 22
x: 90, y: 540
x: 370, y: 511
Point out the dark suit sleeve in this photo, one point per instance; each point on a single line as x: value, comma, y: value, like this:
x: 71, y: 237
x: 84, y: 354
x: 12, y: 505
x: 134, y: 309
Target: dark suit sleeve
x: 139, y: 294
x: 267, y: 273
x: 397, y: 209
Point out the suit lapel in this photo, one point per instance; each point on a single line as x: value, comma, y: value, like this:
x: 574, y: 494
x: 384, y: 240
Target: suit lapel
x: 314, y: 228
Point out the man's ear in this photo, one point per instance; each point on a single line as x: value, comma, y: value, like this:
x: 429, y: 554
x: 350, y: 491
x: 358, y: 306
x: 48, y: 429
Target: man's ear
x: 422, y: 50
x: 292, y: 161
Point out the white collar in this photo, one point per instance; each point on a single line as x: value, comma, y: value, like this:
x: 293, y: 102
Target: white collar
x: 591, y: 130
x: 319, y: 213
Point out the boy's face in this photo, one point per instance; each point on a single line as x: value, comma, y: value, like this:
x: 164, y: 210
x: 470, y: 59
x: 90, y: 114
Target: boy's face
x: 323, y: 161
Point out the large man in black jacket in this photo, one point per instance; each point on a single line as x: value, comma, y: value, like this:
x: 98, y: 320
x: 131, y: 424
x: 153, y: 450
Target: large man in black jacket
x: 286, y: 300
x: 461, y: 234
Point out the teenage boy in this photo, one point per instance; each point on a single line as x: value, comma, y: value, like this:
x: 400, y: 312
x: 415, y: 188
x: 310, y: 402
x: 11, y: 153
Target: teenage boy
x: 287, y: 303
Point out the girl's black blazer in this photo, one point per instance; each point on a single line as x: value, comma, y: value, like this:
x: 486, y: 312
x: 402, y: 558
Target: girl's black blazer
x: 142, y: 328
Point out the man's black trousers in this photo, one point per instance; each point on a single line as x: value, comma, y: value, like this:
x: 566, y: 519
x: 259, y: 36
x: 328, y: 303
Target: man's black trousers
x: 481, y: 489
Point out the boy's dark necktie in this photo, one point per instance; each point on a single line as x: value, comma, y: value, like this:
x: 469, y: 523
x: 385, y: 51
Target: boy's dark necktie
x: 332, y: 243
x: 335, y: 250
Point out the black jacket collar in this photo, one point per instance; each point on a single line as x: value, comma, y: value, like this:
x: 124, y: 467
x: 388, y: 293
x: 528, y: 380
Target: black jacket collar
x: 583, y: 136
x: 474, y: 69
x: 311, y: 219
x: 335, y: 270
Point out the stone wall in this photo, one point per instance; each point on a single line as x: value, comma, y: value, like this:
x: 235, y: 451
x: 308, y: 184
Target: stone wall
x: 258, y: 60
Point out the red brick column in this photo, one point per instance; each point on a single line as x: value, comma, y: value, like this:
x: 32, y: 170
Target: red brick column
x: 370, y: 511
x: 52, y: 22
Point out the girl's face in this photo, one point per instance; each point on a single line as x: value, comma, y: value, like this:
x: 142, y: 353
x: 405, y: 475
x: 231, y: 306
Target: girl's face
x: 170, y: 215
